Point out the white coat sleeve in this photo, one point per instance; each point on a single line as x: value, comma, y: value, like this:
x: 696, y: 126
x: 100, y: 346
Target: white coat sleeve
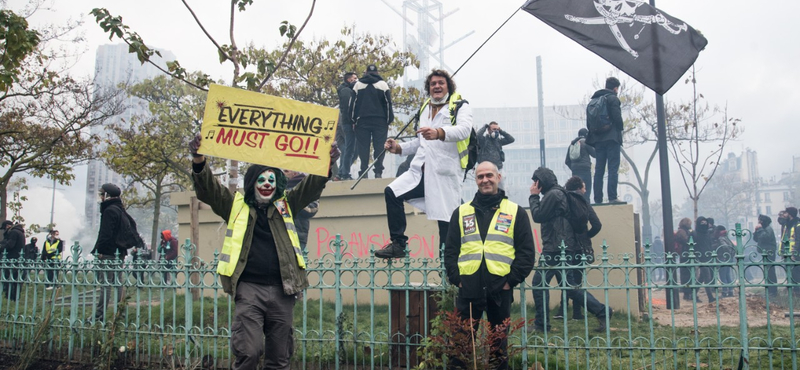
x: 410, y: 147
x: 463, y: 125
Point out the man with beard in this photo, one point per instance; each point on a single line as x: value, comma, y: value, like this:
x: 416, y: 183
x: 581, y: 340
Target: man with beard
x: 433, y: 180
x: 372, y: 113
x: 261, y: 264
x: 346, y: 135
x: 489, y: 251
x: 550, y: 209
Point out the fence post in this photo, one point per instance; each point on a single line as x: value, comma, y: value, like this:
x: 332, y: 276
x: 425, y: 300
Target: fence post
x: 337, y: 268
x: 73, y: 304
x: 187, y: 298
x: 744, y: 360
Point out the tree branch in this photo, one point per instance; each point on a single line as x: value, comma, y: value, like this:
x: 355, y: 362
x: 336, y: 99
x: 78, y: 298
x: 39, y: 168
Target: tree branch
x: 289, y: 47
x: 204, y: 30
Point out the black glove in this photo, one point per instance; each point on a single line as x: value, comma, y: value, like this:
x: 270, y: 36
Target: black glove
x: 194, y: 145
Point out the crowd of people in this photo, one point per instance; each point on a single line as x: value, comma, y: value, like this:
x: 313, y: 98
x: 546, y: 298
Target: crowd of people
x: 489, y: 242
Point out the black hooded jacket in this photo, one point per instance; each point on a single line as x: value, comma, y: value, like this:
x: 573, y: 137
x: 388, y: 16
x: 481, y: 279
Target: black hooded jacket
x: 262, y: 266
x: 111, y: 213
x: 346, y: 97
x: 13, y: 241
x: 615, y: 113
x: 483, y: 284
x: 373, y: 100
x: 765, y: 235
x: 702, y: 240
x: 550, y: 209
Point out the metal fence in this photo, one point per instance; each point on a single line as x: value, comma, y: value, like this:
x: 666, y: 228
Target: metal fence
x: 370, y: 314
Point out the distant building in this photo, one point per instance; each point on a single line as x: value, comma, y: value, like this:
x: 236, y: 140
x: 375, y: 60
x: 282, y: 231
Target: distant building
x: 523, y: 156
x: 768, y: 196
x: 115, y: 65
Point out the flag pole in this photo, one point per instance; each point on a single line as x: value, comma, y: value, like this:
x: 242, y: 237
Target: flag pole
x: 673, y: 293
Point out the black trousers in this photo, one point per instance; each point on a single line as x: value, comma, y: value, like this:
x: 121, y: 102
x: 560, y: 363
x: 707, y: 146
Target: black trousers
x: 565, y: 278
x: 497, y: 308
x: 372, y: 131
x: 396, y: 213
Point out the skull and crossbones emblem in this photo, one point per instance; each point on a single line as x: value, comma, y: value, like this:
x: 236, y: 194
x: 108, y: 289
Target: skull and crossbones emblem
x: 615, y: 12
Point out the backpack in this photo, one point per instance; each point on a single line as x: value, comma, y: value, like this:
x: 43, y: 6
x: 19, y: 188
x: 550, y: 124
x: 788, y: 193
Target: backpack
x: 597, y: 119
x: 578, y: 217
x: 574, y: 150
x: 578, y: 212
x: 128, y: 236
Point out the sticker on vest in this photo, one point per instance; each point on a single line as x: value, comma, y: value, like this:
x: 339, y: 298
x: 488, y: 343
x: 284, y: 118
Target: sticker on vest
x: 281, y: 206
x: 503, y: 222
x: 469, y: 224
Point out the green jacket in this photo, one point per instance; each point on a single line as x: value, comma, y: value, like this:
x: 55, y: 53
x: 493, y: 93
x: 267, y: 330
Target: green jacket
x: 211, y: 192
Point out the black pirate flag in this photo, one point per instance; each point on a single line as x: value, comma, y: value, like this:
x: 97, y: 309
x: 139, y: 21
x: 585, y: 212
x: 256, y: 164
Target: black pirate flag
x: 649, y: 45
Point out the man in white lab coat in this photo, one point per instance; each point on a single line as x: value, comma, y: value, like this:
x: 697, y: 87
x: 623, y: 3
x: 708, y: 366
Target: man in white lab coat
x: 433, y: 181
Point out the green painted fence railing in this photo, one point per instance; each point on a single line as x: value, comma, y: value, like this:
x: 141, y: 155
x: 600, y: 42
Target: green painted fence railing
x: 365, y: 313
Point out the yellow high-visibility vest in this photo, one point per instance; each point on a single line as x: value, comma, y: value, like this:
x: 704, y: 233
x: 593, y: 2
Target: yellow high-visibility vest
x: 462, y: 145
x: 791, y: 235
x: 52, y: 249
x: 237, y: 227
x: 497, y: 249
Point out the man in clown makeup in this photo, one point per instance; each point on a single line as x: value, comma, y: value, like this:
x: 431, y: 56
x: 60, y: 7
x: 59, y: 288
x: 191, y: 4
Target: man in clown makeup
x: 261, y: 264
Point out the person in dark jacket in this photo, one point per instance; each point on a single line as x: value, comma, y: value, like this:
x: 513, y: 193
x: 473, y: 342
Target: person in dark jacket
x: 372, y: 114
x: 608, y: 144
x: 702, y: 256
x: 550, y: 210
x: 498, y: 234
x: 108, y: 251
x: 575, y: 276
x: 13, y: 242
x: 30, y: 252
x: 261, y: 265
x: 491, y: 139
x: 51, y: 255
x: 303, y: 220
x: 790, y: 246
x: 768, y: 248
x: 682, y: 236
x: 726, y: 254
x: 168, y: 250
x: 582, y: 166
x: 346, y: 134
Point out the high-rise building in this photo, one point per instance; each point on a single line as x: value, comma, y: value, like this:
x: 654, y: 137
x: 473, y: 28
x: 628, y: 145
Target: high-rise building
x: 114, y: 65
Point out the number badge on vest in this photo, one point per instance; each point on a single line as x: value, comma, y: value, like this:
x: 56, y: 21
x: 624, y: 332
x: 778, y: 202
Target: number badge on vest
x: 469, y: 224
x: 281, y: 206
x: 503, y: 222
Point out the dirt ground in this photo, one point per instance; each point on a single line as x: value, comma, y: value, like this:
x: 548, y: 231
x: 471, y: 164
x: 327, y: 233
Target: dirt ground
x: 724, y: 313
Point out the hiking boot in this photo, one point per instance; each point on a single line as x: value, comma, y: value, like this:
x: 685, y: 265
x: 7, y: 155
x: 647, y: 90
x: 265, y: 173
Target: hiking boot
x: 394, y: 249
x: 602, y: 319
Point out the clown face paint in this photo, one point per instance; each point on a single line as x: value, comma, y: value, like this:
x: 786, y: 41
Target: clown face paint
x: 265, y: 186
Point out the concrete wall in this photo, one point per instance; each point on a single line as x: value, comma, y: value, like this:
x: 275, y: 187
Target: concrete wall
x: 359, y: 217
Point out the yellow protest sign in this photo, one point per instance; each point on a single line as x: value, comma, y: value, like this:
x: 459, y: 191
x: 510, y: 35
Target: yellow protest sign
x: 268, y: 130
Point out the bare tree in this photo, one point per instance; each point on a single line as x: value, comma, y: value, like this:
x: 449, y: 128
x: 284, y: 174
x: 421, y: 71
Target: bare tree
x: 697, y: 140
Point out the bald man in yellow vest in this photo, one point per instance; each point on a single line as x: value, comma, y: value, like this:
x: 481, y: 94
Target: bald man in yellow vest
x: 489, y: 250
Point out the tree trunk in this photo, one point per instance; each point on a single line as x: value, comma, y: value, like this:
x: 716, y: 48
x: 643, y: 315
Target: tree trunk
x: 157, y: 194
x: 3, y: 201
x: 647, y: 229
